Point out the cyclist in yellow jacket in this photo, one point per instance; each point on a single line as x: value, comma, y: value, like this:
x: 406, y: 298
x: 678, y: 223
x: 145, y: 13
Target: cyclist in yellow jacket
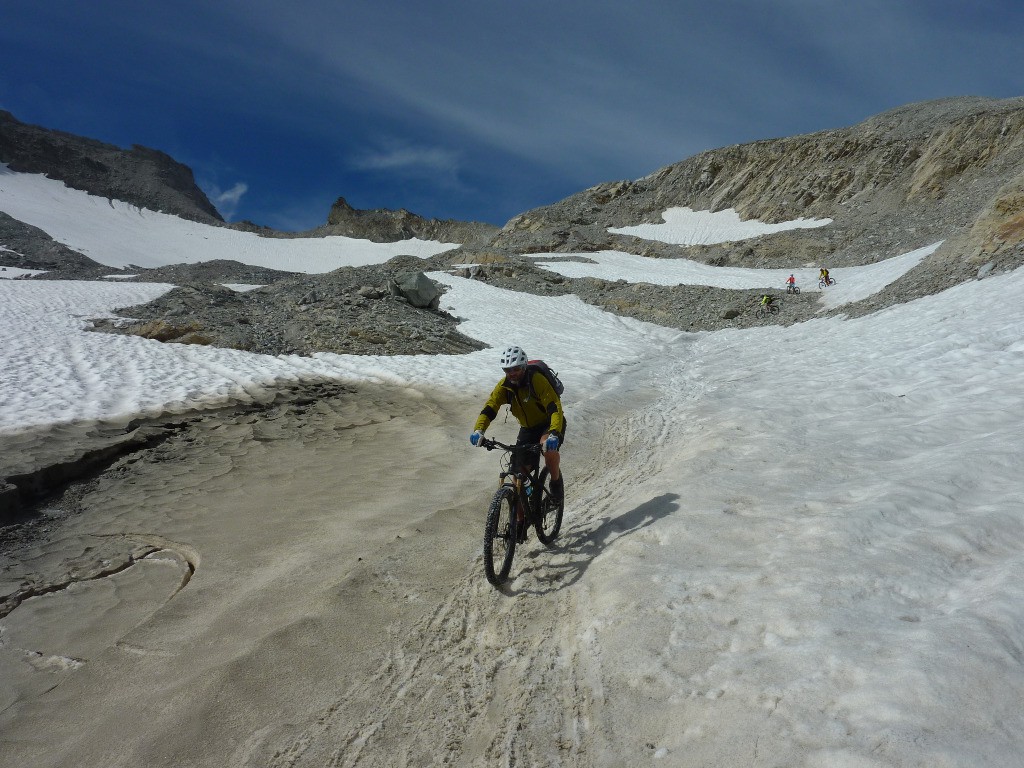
x: 535, y: 404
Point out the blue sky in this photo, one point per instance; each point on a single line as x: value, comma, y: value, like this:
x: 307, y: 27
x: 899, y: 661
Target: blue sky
x: 477, y: 110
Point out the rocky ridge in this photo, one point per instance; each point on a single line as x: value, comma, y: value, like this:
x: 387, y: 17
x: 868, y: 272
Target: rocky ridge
x: 898, y: 180
x: 950, y: 170
x: 386, y: 226
x: 141, y: 176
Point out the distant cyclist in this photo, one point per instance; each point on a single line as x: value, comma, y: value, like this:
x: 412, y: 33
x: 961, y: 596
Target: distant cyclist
x: 823, y: 277
x: 767, y: 300
x: 534, y: 402
x: 791, y: 284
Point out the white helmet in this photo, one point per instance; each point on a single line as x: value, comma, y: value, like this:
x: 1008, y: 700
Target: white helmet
x: 513, y: 357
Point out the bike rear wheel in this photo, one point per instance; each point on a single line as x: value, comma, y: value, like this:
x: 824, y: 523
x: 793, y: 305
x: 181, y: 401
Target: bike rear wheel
x: 500, y: 535
x: 547, y: 514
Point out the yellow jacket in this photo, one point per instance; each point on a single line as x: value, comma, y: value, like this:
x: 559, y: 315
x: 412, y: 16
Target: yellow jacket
x: 533, y: 403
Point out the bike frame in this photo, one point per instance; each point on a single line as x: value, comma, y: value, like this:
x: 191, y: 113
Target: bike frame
x: 512, y: 511
x: 513, y: 475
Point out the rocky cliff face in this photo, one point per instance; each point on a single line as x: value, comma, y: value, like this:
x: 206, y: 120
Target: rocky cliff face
x: 387, y: 226
x: 140, y: 176
x: 901, y: 179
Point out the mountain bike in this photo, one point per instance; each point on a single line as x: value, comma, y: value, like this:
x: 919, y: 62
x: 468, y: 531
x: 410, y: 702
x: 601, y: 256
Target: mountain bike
x: 792, y: 289
x: 523, y: 498
x: 766, y: 309
x: 823, y: 284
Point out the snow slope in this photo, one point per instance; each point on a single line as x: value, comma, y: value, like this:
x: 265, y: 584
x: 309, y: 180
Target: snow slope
x: 803, y: 545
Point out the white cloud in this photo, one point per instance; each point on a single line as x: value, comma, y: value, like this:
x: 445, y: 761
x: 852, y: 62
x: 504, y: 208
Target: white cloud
x: 401, y: 160
x: 227, y: 201
x: 406, y: 158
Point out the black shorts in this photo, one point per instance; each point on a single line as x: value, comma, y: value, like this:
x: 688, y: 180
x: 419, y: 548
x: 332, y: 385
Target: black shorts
x: 532, y: 435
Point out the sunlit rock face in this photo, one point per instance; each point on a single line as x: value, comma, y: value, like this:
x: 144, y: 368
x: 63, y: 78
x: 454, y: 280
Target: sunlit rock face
x: 386, y: 226
x: 896, y: 181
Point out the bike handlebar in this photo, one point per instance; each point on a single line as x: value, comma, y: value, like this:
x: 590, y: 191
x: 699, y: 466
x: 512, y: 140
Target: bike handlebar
x: 490, y: 445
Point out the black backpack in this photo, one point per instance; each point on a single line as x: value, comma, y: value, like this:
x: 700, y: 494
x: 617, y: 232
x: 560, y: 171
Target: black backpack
x: 550, y: 375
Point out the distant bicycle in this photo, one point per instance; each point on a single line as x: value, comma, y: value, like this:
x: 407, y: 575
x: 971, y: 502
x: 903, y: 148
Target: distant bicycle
x: 765, y: 310
x: 523, y: 499
x: 823, y: 284
x: 792, y: 289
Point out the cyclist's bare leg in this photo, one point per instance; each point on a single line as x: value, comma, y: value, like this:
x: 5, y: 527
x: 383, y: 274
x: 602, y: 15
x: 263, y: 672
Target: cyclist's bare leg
x: 552, y: 461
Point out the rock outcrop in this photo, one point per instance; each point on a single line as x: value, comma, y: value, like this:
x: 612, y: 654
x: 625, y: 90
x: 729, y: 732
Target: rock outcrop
x: 29, y: 247
x: 382, y: 309
x: 141, y: 176
x: 386, y: 226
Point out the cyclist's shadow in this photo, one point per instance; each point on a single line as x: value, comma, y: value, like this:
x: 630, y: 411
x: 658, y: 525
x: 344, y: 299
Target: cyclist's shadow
x: 565, y: 563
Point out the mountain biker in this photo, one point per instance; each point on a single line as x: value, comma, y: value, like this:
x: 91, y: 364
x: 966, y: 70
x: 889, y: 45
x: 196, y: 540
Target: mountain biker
x: 767, y: 300
x: 790, y: 283
x: 534, y: 402
x: 823, y: 275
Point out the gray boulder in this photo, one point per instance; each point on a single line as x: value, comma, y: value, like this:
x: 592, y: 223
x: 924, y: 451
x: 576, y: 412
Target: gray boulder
x: 418, y: 289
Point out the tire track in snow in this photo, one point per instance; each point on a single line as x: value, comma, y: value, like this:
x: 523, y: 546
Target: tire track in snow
x: 511, y: 677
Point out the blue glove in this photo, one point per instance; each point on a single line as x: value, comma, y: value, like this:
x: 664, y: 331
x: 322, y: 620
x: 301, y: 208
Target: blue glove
x: 476, y: 437
x: 551, y: 444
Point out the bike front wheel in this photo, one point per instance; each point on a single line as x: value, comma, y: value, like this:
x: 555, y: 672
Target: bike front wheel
x: 548, y: 513
x: 500, y: 535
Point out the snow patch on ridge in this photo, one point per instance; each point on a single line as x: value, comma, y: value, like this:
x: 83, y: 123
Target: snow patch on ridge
x: 118, y: 234
x: 684, y: 226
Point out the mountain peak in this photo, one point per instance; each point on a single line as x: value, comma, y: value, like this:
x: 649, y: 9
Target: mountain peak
x: 141, y: 176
